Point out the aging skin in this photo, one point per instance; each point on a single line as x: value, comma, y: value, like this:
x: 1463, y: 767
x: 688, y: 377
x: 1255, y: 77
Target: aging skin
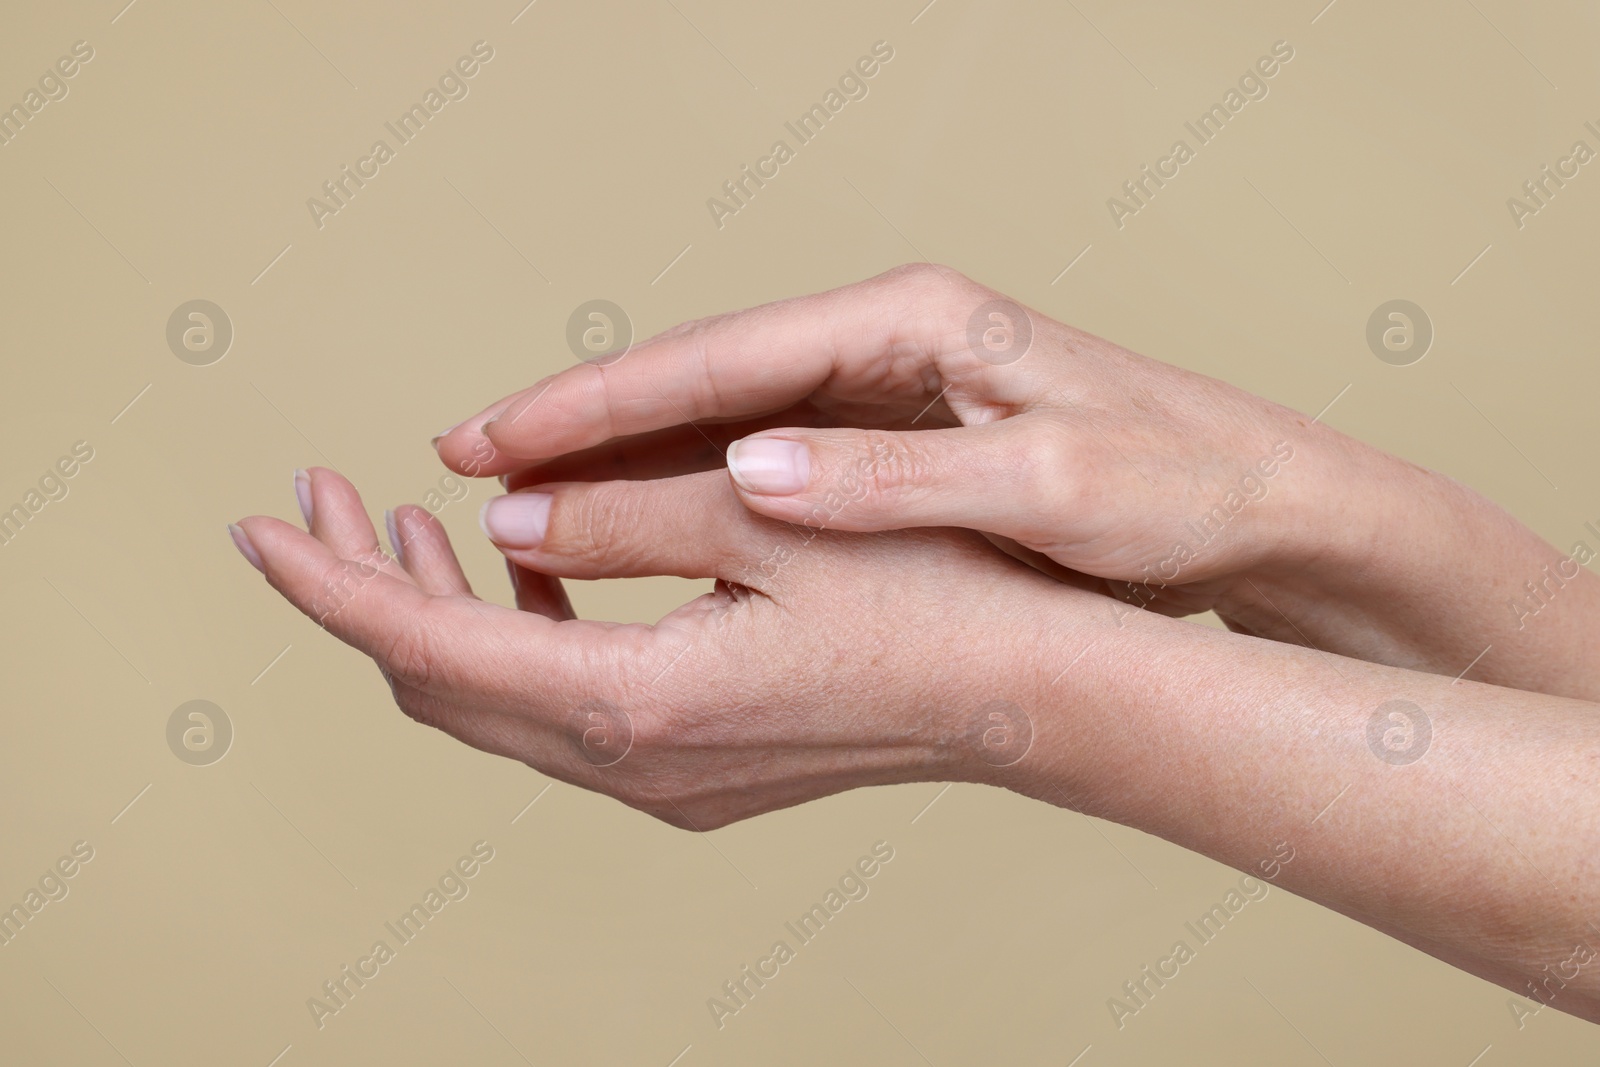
x: 1095, y: 458
x: 860, y: 654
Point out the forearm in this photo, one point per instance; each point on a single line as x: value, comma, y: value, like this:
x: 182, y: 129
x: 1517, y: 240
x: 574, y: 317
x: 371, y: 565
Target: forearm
x: 1481, y: 851
x: 1403, y: 566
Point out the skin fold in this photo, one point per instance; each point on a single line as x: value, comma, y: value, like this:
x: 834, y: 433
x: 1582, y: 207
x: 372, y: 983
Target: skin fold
x: 977, y: 578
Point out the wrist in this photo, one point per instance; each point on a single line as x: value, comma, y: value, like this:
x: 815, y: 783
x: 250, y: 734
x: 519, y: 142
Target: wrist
x: 1351, y: 558
x: 1076, y: 673
x: 1336, y: 499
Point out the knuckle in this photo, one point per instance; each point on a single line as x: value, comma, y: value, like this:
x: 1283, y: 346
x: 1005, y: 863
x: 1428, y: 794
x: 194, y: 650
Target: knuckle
x: 937, y: 303
x: 927, y: 278
x: 1039, y: 461
x: 864, y: 465
x: 411, y: 656
x: 888, y: 462
x: 584, y: 526
x: 881, y: 467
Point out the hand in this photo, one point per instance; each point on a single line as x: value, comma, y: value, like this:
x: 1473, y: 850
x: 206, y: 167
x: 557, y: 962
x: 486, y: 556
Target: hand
x: 820, y: 663
x: 854, y: 659
x: 871, y: 408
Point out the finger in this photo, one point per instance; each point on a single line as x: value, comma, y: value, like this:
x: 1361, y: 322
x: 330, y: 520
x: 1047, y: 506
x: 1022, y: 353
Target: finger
x: 453, y: 647
x: 422, y: 546
x: 898, y: 336
x: 980, y: 477
x: 660, y: 453
x: 539, y: 593
x: 335, y: 516
x: 692, y: 526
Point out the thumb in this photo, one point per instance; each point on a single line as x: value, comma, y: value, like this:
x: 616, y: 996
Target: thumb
x: 980, y: 477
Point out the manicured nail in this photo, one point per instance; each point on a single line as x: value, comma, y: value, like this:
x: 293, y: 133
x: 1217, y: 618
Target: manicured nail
x: 395, y: 543
x: 241, y: 541
x: 516, y: 521
x: 302, y: 493
x: 441, y: 435
x: 769, y: 465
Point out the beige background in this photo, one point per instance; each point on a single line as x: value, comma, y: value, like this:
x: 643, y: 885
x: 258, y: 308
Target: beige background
x: 178, y: 168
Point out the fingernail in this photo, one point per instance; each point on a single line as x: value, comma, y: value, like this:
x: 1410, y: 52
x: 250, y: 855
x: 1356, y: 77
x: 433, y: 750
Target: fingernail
x: 302, y: 493
x: 769, y: 465
x: 516, y: 521
x: 395, y: 543
x: 241, y: 541
x: 441, y: 435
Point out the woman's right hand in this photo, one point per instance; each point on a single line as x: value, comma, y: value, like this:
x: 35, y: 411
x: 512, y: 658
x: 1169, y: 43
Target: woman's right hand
x: 920, y: 398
